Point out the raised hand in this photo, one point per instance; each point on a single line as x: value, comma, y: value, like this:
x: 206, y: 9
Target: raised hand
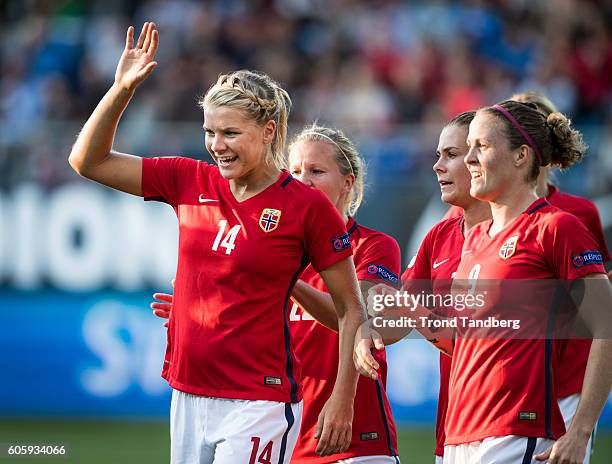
x: 136, y: 62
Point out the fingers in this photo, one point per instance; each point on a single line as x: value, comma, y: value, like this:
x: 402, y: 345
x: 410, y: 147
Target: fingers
x: 141, y: 37
x: 543, y: 456
x: 144, y: 72
x: 129, y: 38
x: 323, y: 445
x: 152, y: 49
x: 345, y: 443
x: 378, y: 341
x: 173, y: 280
x: 167, y: 297
x: 148, y: 36
x: 365, y: 363
x: 164, y: 314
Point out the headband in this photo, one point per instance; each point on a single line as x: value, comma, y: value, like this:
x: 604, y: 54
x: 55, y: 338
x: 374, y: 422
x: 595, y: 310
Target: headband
x: 520, y: 128
x: 328, y: 138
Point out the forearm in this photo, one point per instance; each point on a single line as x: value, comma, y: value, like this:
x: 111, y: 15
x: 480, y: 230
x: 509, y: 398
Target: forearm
x: 94, y: 143
x: 348, y: 323
x: 397, y: 322
x: 318, y: 304
x: 596, y: 388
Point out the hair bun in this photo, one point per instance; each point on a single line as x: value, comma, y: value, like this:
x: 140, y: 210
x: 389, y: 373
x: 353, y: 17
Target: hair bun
x: 568, y: 146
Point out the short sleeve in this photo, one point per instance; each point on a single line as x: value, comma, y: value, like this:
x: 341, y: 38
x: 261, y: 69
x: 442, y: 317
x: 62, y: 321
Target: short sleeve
x: 570, y: 248
x: 162, y: 178
x: 419, y: 267
x: 325, y: 235
x: 593, y: 223
x: 378, y: 260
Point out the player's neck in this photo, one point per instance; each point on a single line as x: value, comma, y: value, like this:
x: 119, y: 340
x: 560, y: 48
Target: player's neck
x: 510, y: 205
x: 475, y: 213
x: 542, y: 184
x: 250, y: 185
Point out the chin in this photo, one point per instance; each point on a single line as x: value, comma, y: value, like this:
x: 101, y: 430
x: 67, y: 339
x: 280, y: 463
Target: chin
x: 447, y: 198
x: 478, y: 192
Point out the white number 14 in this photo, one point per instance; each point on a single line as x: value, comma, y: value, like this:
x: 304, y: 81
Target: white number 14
x: 228, y: 241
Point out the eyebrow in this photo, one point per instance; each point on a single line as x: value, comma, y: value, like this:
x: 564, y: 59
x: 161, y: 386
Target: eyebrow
x: 229, y: 128
x: 452, y: 147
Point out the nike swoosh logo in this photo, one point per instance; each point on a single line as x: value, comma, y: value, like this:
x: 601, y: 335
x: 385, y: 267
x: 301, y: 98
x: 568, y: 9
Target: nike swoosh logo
x: 437, y: 264
x: 201, y: 199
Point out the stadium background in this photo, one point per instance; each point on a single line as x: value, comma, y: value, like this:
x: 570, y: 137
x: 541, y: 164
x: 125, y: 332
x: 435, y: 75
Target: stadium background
x: 81, y: 352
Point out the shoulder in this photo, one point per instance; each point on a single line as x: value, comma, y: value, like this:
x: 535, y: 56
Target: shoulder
x: 178, y: 163
x: 446, y: 228
x: 302, y: 195
x: 371, y: 243
x: 581, y: 207
x: 553, y: 223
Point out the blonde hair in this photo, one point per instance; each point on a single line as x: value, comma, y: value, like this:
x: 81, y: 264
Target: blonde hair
x: 541, y: 101
x: 347, y: 158
x: 260, y: 98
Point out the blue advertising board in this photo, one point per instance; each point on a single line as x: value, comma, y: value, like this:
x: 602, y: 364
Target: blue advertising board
x: 100, y: 354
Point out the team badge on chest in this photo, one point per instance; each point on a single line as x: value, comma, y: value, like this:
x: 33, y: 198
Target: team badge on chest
x: 269, y: 219
x: 508, y: 248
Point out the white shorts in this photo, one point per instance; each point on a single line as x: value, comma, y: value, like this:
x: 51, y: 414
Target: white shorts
x: 205, y: 430
x: 439, y: 459
x: 497, y: 450
x: 568, y: 406
x: 370, y: 460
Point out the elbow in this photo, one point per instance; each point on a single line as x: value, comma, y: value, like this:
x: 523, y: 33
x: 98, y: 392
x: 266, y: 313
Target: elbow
x: 75, y: 162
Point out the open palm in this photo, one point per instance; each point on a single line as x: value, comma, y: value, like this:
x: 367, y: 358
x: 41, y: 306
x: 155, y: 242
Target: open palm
x: 137, y: 61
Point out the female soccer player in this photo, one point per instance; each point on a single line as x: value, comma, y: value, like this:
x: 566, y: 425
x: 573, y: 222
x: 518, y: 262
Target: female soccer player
x: 246, y: 231
x: 574, y: 359
x: 503, y: 398
x: 502, y: 393
x: 327, y: 160
x: 434, y: 266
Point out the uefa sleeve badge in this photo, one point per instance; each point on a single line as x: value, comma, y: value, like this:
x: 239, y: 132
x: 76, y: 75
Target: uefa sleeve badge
x: 269, y: 219
x: 508, y: 248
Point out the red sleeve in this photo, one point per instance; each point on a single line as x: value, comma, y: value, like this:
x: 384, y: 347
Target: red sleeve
x: 162, y: 177
x: 326, y: 238
x: 570, y: 248
x: 378, y: 260
x: 419, y: 267
x: 593, y: 222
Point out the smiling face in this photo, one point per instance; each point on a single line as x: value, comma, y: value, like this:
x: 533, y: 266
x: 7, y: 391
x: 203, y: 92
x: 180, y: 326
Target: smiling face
x: 490, y: 160
x: 314, y: 164
x: 452, y: 174
x: 237, y: 144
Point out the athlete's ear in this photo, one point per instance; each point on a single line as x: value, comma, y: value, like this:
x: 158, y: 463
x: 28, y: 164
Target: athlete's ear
x: 349, y: 181
x: 269, y: 131
x: 521, y: 156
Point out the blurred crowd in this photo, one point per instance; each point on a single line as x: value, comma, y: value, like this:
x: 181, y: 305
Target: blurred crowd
x: 388, y: 71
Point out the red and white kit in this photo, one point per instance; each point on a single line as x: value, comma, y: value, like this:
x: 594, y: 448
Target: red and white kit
x: 436, y: 261
x: 377, y: 259
x: 503, y: 387
x: 228, y: 335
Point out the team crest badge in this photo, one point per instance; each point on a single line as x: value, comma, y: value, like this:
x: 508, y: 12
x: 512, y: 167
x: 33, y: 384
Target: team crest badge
x: 269, y: 219
x: 508, y: 248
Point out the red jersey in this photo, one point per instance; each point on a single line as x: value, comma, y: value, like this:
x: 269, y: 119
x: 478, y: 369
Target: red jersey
x: 377, y: 259
x: 436, y: 261
x: 574, y: 360
x: 501, y: 387
x: 228, y: 333
x: 453, y: 212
